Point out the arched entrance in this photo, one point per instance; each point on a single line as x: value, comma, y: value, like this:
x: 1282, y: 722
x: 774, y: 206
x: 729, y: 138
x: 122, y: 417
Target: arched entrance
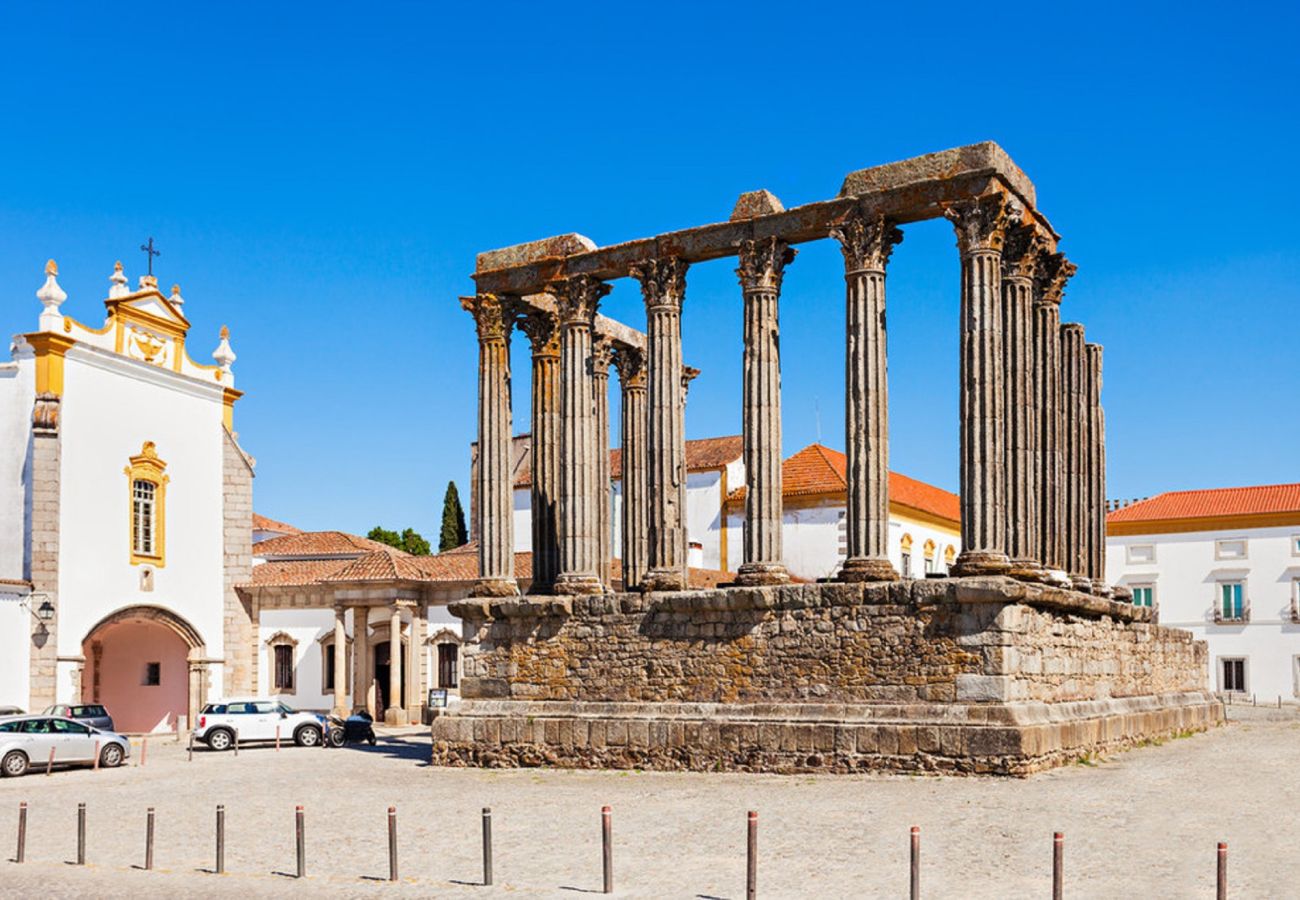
x: 148, y: 666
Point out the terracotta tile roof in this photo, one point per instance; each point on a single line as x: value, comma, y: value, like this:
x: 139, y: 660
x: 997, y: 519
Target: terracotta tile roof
x: 705, y: 453
x: 294, y: 572
x: 817, y: 469
x: 16, y: 582
x: 1242, y: 501
x: 262, y: 523
x: 321, y: 543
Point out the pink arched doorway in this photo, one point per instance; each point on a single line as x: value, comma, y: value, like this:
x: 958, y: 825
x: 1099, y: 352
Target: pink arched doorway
x: 145, y: 664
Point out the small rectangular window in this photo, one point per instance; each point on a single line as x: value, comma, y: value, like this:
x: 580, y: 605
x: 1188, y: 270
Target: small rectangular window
x: 1143, y: 595
x: 152, y: 674
x: 448, y: 670
x: 1232, y: 675
x: 1295, y: 545
x: 1141, y: 553
x: 929, y: 565
x: 1230, y: 549
x: 142, y: 517
x: 907, y: 565
x: 1230, y: 600
x: 283, y: 667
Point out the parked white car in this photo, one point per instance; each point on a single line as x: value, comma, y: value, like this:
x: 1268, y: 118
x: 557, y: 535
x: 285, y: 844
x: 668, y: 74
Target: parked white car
x: 27, y: 741
x: 255, y: 719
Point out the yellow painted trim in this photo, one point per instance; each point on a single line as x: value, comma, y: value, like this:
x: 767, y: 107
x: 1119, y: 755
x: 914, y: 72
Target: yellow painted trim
x: 50, y: 350
x: 146, y: 466
x: 228, y: 398
x: 906, y: 542
x: 69, y: 323
x: 1204, y: 523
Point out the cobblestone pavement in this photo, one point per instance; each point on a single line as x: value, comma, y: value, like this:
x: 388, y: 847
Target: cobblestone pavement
x: 1140, y: 824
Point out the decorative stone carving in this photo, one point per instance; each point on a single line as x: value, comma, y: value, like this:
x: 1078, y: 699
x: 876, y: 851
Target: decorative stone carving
x: 578, y: 298
x: 543, y: 330
x: 981, y: 224
x: 763, y: 262
x: 867, y: 241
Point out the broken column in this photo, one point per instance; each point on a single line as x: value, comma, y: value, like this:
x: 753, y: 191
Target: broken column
x: 1096, y: 515
x: 1075, y: 425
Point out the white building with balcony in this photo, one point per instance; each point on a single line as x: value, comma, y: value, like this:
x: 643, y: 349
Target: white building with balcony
x: 1224, y: 564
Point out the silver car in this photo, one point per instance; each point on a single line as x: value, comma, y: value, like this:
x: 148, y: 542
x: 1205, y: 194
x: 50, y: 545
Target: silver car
x: 92, y: 714
x: 27, y: 741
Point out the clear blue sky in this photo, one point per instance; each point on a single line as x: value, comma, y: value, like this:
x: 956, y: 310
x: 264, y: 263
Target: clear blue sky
x: 319, y: 177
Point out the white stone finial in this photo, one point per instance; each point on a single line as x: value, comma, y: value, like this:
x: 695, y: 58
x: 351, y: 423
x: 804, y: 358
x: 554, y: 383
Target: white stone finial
x: 223, y: 354
x: 176, y: 298
x: 119, y: 288
x: 51, y: 295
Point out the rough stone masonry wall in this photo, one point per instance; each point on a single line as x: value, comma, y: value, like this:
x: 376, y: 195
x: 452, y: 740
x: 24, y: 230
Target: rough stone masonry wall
x: 969, y: 640
x: 237, y: 532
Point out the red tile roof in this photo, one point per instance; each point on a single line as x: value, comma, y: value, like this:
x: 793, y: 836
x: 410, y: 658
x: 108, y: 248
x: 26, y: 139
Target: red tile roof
x: 262, y: 523
x: 1266, y: 499
x: 817, y: 469
x: 321, y: 543
x: 702, y: 454
x: 296, y: 572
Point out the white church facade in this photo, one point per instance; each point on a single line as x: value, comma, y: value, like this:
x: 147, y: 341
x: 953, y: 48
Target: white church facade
x: 126, y: 507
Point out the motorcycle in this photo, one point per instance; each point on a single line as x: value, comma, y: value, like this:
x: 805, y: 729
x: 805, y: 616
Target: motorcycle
x: 355, y: 728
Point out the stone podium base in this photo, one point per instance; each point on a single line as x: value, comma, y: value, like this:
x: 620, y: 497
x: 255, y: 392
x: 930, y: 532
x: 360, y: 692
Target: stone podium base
x: 963, y: 675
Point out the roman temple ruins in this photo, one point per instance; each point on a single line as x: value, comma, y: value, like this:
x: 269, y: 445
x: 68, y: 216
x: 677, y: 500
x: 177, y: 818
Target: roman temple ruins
x: 1020, y: 659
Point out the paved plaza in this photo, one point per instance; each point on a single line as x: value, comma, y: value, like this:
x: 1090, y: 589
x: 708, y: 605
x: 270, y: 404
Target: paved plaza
x: 1142, y: 823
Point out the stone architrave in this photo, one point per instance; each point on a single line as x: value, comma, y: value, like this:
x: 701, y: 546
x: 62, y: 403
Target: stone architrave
x: 543, y: 331
x: 1075, y: 417
x: 981, y: 226
x: 663, y: 287
x: 1051, y: 274
x: 495, y: 511
x: 761, y: 270
x: 866, y: 241
x: 1020, y: 253
x: 630, y: 363
x: 577, y: 300
x: 1096, y: 516
x: 602, y: 356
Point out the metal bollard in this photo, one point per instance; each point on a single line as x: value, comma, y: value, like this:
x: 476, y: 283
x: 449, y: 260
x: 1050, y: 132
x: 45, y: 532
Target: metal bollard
x: 49, y: 766
x: 191, y: 751
x: 148, y: 840
x: 81, y: 834
x: 221, y: 839
x: 607, y: 848
x: 144, y: 748
x: 1058, y: 865
x: 22, y: 832
x: 277, y: 739
x: 487, y: 846
x: 236, y: 743
x: 95, y: 766
x: 751, y: 858
x: 1222, y: 874
x: 916, y: 862
x: 302, y: 846
x: 392, y: 843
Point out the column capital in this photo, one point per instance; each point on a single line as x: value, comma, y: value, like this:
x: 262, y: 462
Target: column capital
x: 542, y: 328
x: 1051, y: 273
x: 577, y: 298
x: 630, y: 363
x: 689, y: 374
x: 491, y: 316
x: 981, y: 224
x: 663, y: 281
x: 866, y: 240
x: 763, y: 262
x: 1024, y: 247
x: 602, y: 356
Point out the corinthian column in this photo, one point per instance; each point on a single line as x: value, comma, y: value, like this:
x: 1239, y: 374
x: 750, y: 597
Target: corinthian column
x: 1050, y: 276
x: 866, y: 242
x: 762, y: 266
x: 577, y: 299
x: 543, y: 330
x: 602, y: 354
x: 1074, y: 393
x: 981, y: 228
x: 1020, y: 253
x: 630, y: 363
x: 495, y: 508
x: 1096, y: 473
x: 663, y: 286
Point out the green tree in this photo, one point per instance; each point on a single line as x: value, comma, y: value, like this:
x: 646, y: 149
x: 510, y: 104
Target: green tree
x: 409, y: 540
x: 453, y: 520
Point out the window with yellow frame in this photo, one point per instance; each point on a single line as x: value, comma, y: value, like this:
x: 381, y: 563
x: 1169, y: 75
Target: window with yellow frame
x: 146, y: 481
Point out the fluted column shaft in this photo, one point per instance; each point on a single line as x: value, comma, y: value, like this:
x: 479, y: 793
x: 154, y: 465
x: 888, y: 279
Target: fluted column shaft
x: 1052, y: 271
x: 340, y: 663
x: 395, y: 714
x: 1075, y: 418
x: 663, y: 287
x: 1096, y: 473
x: 577, y: 299
x: 495, y: 507
x: 632, y: 430
x: 601, y: 358
x: 866, y: 242
x: 543, y: 331
x: 762, y: 266
x: 981, y: 226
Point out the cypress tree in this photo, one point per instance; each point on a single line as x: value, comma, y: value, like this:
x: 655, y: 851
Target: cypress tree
x: 453, y: 520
